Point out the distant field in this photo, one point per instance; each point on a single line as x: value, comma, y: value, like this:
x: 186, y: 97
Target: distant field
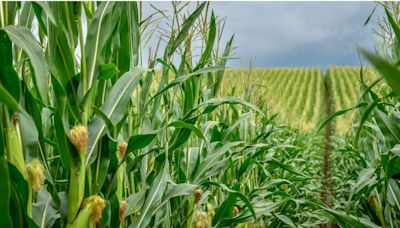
x: 296, y: 94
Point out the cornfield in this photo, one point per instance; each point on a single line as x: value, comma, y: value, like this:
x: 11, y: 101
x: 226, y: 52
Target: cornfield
x: 102, y: 128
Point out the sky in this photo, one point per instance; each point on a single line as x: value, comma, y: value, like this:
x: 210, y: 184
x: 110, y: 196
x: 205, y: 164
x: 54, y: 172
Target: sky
x: 279, y: 34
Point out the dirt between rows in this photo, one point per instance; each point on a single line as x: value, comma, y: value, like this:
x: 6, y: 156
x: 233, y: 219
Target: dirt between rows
x: 326, y: 179
x: 327, y: 146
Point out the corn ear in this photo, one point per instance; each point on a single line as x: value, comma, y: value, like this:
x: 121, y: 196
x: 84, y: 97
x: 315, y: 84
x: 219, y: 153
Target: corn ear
x: 15, y: 154
x: 76, y: 190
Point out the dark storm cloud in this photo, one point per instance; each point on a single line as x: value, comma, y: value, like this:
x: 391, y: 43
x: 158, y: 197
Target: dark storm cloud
x: 294, y: 33
x: 297, y: 33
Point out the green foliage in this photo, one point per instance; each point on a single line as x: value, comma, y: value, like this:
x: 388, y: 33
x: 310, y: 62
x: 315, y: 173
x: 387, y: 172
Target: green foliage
x: 109, y: 130
x: 366, y: 175
x: 168, y: 142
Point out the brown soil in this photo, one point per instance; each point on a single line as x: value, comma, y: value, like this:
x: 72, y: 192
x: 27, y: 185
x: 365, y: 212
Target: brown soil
x: 326, y: 180
x: 327, y: 145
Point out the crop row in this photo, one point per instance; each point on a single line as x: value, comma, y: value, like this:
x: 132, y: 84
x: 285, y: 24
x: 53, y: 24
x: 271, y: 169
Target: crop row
x: 345, y: 90
x: 296, y: 94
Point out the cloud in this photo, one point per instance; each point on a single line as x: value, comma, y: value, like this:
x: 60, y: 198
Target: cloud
x: 294, y: 33
x: 297, y: 33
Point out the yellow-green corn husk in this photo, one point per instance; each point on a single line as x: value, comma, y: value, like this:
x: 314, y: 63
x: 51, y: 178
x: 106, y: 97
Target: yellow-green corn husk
x: 76, y: 190
x: 90, y: 214
x: 15, y: 154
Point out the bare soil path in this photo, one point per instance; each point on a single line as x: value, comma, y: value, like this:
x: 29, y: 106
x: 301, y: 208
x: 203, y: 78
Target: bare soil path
x: 326, y: 181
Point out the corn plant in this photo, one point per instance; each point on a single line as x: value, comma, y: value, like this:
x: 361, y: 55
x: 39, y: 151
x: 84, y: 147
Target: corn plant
x: 369, y: 195
x: 93, y: 135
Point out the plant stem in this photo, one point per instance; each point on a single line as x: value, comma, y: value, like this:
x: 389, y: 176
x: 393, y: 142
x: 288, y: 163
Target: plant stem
x: 83, y: 68
x: 187, y: 163
x: 5, y: 13
x: 89, y: 178
x: 120, y: 181
x: 76, y: 189
x: 29, y: 205
x: 2, y: 15
x: 131, y: 182
x: 83, y: 56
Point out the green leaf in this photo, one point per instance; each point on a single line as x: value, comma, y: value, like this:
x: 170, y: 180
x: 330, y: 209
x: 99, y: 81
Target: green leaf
x: 232, y: 128
x: 43, y: 14
x: 175, y: 190
x: 107, y: 71
x: 133, y: 161
x: 245, y: 200
x: 5, y: 216
x: 261, y: 208
x: 26, y: 16
x: 285, y: 220
x: 108, y: 148
x: 346, y: 219
x: 145, y: 91
x: 113, y: 108
x: 153, y: 197
x: 394, y: 25
x: 388, y: 126
x: 211, y: 104
x: 365, y: 179
x: 210, y: 160
x: 209, y: 45
x: 134, y: 32
x: 104, y: 118
x: 225, y: 210
x: 245, y: 165
x: 60, y: 95
x: 184, y: 78
x: 286, y: 167
x: 185, y: 28
x: 47, y: 10
x: 393, y: 193
x: 365, y: 117
x: 339, y: 113
x: 23, y: 38
x: 222, y: 63
x: 135, y: 202
x: 19, y: 199
x: 8, y: 76
x: 181, y: 135
x: 387, y: 70
x: 64, y: 147
x: 99, y: 32
x: 181, y: 124
x: 62, y: 39
x: 370, y: 15
x: 7, y: 99
x: 29, y: 135
x: 137, y: 142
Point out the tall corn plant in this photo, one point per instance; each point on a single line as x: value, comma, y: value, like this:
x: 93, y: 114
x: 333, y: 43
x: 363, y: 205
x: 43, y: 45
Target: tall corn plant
x: 90, y: 137
x: 371, y: 196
